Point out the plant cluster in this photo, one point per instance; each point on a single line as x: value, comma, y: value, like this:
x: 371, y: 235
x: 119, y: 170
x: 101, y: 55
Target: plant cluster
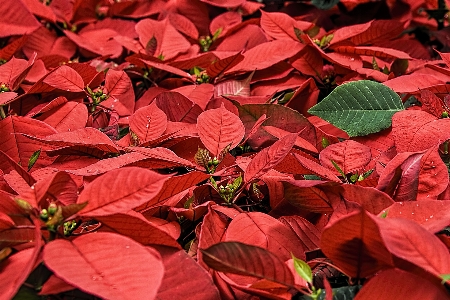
x: 224, y: 149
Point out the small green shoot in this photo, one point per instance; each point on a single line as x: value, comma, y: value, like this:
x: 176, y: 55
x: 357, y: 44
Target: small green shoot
x: 338, y: 168
x: 34, y: 157
x: 303, y: 269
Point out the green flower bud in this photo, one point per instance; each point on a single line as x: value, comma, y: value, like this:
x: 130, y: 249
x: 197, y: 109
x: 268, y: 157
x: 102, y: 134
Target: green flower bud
x: 52, y: 208
x: 44, y: 215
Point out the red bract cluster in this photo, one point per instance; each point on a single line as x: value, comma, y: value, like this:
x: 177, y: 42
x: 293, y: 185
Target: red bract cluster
x: 164, y: 150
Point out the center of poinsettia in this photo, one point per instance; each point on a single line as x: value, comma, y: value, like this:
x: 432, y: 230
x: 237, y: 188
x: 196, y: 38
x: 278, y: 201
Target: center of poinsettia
x: 4, y: 88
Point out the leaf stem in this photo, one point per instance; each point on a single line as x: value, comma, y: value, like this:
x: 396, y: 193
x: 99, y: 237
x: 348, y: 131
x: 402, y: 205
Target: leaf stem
x: 2, y: 113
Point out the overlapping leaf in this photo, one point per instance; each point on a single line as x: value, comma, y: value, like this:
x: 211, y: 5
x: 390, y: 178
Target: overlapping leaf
x: 265, y: 231
x: 107, y: 265
x: 269, y: 157
x: 355, y: 244
x: 239, y: 258
x: 218, y: 129
x: 359, y: 108
x: 418, y: 130
x: 148, y: 123
x: 120, y: 190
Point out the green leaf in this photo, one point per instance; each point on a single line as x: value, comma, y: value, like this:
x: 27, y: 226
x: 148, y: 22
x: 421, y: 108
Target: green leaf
x: 217, y: 34
x: 213, y: 183
x: 324, y: 4
x: 366, y: 174
x: 359, y: 108
x: 311, y: 177
x: 302, y: 269
x: 34, y: 157
x: 338, y: 168
x: 236, y: 183
x: 445, y: 278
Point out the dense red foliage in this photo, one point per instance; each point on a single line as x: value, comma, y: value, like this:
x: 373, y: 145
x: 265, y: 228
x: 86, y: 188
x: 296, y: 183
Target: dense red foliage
x: 163, y: 150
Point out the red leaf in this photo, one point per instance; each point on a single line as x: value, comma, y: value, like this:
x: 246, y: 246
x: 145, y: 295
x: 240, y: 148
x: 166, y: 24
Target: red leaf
x: 154, y: 158
x: 445, y: 57
x: 11, y: 279
x: 17, y: 19
x: 148, y: 123
x: 409, y: 241
x: 348, y: 32
x: 199, y: 94
x: 170, y: 42
x: 211, y: 232
x: 96, y: 42
x: 5, y: 222
x: 265, y: 231
x: 6, y: 97
x: 67, y: 117
x: 369, y: 33
x: 157, y: 64
x: 225, y: 21
x: 277, y: 116
x: 269, y: 157
x: 307, y: 233
x: 88, y: 140
x: 8, y: 165
x: 173, y: 186
x: 420, y: 173
x: 184, y: 25
x: 136, y: 9
x: 355, y: 245
x: 178, y: 108
x: 120, y: 91
x: 307, y: 195
x: 408, y: 286
x: 308, y: 61
x: 8, y: 51
x: 416, y: 130
x: 225, y: 3
x: 299, y: 142
x: 18, y: 147
x: 431, y: 103
x: 120, y: 190
x: 55, y: 285
x: 58, y: 187
x: 371, y: 199
x: 431, y: 214
x: 373, y: 51
x: 219, y: 129
x: 267, y: 54
x: 65, y: 78
x: 349, y: 155
x: 233, y: 87
x: 106, y: 265
x: 219, y: 67
x: 249, y: 36
x: 137, y: 228
x: 242, y: 259
x: 184, y: 273
x: 411, y: 83
x: 13, y: 72
x: 316, y: 168
x: 279, y: 25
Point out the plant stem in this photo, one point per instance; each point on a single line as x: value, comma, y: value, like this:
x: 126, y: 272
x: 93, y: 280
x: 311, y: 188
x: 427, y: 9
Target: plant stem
x: 2, y: 113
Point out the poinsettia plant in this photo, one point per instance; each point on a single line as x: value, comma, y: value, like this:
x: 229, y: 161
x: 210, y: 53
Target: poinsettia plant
x: 224, y: 149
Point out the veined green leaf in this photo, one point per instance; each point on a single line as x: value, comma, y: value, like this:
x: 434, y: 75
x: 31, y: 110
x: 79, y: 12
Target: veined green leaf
x: 302, y: 269
x: 359, y: 108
